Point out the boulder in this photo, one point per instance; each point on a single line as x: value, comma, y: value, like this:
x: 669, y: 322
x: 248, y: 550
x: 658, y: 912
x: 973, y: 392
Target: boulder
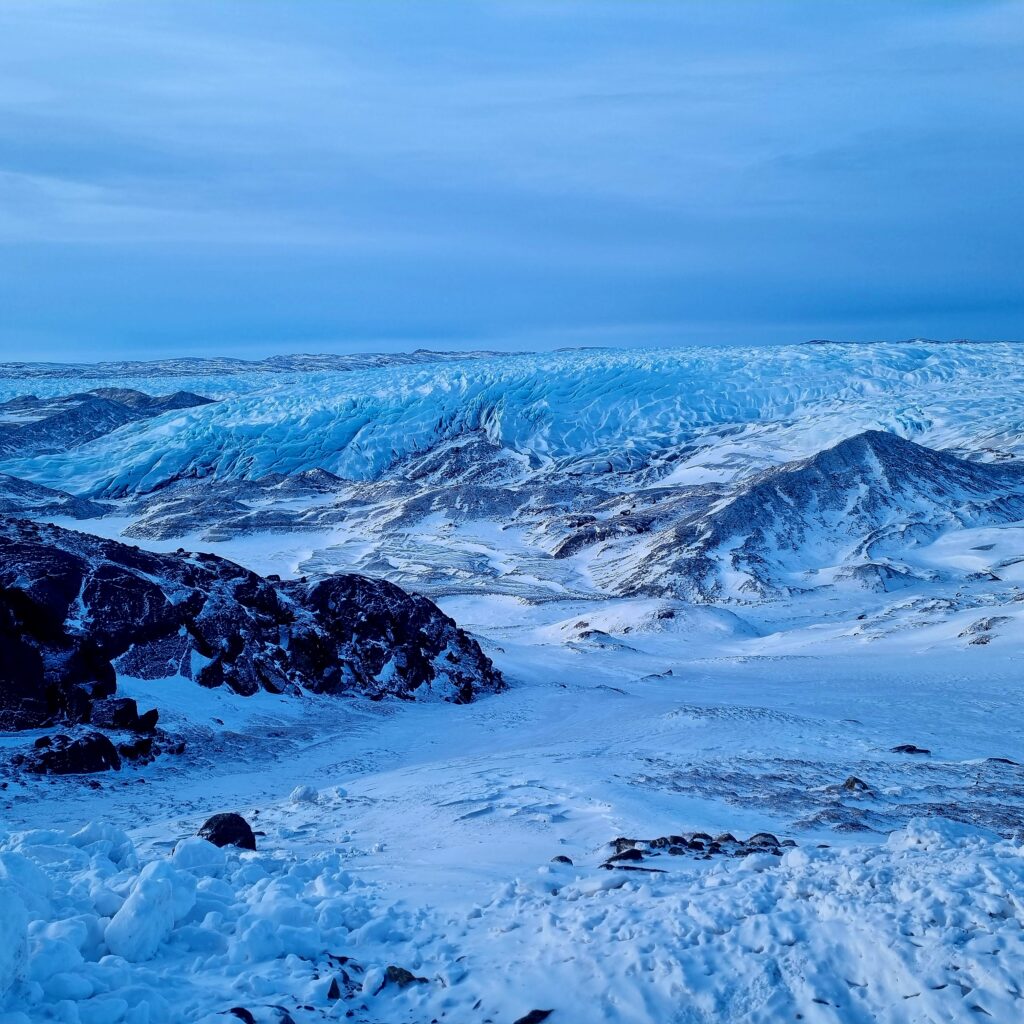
x: 115, y: 713
x: 400, y: 977
x: 228, y: 830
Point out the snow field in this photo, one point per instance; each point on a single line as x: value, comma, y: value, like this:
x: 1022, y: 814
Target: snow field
x: 926, y: 927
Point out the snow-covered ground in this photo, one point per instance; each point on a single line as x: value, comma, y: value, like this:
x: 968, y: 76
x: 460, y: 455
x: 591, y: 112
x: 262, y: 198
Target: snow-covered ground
x: 426, y: 840
x: 422, y: 836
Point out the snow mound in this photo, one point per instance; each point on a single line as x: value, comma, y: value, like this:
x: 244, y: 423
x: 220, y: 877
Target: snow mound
x: 645, y: 616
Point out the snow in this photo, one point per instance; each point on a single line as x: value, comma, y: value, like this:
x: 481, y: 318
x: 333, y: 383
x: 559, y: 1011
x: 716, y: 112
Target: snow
x: 925, y: 927
x: 422, y: 836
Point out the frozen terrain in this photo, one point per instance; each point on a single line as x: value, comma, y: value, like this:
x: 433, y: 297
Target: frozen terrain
x: 723, y: 589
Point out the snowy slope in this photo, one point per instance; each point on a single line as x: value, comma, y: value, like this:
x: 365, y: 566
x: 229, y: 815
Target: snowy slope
x: 863, y: 504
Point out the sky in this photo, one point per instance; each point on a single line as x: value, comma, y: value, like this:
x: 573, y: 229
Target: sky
x: 243, y: 178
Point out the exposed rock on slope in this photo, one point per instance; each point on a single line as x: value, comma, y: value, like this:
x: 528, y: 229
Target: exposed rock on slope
x: 37, y: 426
x: 73, y: 608
x: 867, y: 499
x: 24, y: 498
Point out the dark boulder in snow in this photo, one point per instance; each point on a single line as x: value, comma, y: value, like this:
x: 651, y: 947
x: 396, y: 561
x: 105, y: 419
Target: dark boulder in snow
x: 73, y: 607
x: 228, y: 830
x: 122, y: 713
x: 534, y: 1017
x: 855, y: 785
x: 400, y: 977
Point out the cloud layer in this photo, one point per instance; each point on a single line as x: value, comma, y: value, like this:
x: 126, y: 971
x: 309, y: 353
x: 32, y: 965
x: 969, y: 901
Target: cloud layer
x: 190, y: 177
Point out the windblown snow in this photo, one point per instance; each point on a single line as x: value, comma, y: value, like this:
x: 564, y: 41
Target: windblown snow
x: 760, y: 757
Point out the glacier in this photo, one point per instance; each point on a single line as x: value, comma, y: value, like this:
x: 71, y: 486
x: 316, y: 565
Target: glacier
x: 580, y: 412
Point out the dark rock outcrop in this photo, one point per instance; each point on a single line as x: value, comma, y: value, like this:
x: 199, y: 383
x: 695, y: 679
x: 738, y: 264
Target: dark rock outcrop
x: 92, y: 752
x: 122, y: 713
x: 73, y: 607
x: 41, y: 426
x: 629, y: 852
x: 24, y: 498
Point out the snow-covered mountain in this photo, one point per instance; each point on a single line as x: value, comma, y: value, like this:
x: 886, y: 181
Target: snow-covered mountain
x: 854, y: 511
x: 35, y: 426
x: 737, y: 475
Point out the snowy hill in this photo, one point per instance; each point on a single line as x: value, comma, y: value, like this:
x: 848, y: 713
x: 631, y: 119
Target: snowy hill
x: 863, y: 505
x: 34, y: 426
x: 700, y: 474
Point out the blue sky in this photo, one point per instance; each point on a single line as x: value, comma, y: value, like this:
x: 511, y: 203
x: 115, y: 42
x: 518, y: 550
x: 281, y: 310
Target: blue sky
x: 257, y: 177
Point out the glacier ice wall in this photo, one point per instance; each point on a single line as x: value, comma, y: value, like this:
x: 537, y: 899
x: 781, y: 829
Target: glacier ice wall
x: 585, y: 411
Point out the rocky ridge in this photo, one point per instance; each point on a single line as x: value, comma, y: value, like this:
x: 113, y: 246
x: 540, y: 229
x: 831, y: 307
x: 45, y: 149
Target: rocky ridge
x: 76, y: 611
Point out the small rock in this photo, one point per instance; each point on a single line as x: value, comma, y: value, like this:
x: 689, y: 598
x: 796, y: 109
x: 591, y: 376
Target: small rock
x: 622, y: 843
x: 562, y: 859
x: 762, y: 839
x: 147, y: 721
x: 228, y: 830
x: 43, y: 741
x: 534, y: 1017
x: 401, y: 977
x: 855, y: 785
x: 909, y: 748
